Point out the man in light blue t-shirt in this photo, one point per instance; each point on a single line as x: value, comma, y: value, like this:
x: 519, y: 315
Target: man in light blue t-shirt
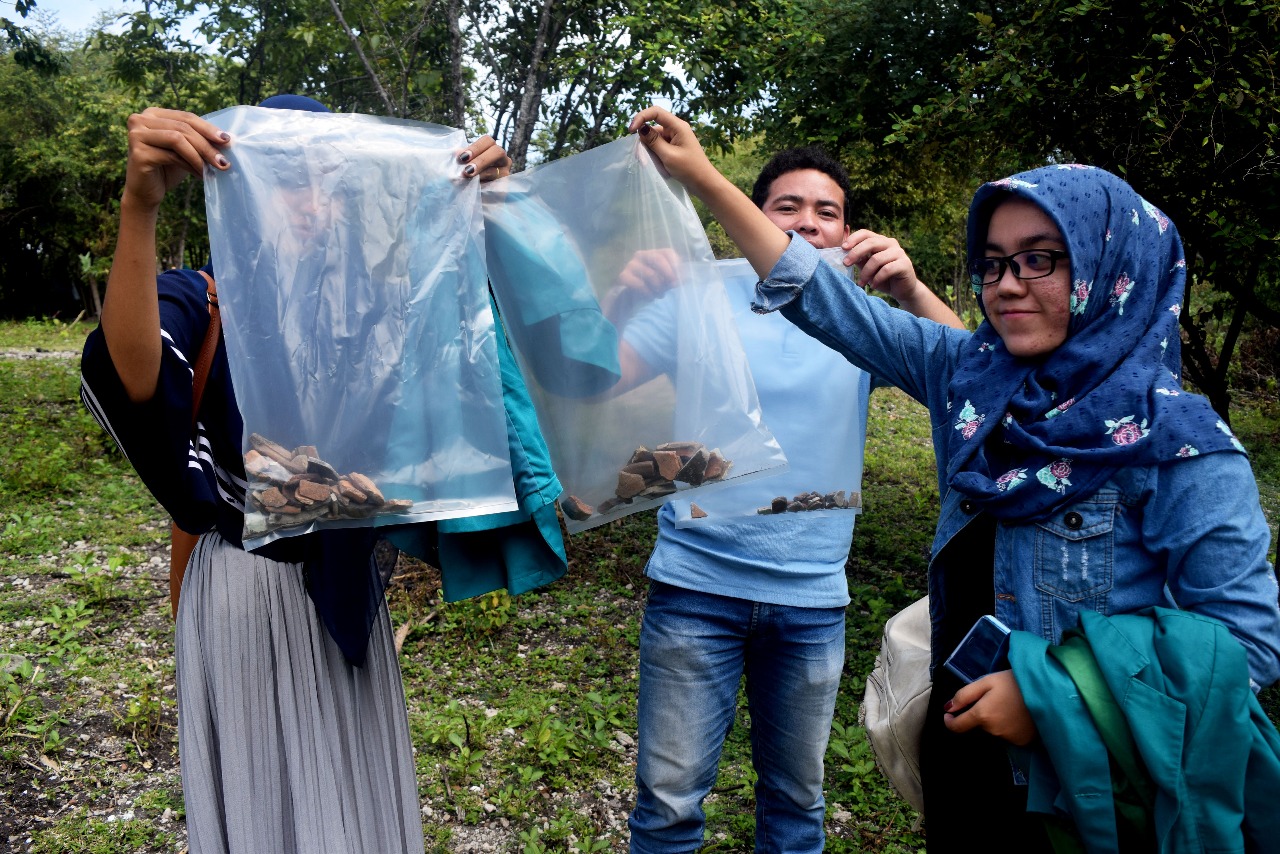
x: 745, y: 581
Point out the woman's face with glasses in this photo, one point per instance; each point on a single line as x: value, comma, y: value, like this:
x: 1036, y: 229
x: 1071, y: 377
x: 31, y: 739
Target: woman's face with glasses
x: 1026, y: 294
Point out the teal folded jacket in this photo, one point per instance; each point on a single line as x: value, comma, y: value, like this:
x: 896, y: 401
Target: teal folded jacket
x: 517, y: 550
x: 1181, y: 682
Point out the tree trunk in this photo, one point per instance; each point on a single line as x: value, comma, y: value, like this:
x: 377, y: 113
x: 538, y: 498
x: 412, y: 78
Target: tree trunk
x: 1198, y: 365
x: 527, y: 116
x: 180, y: 251
x: 368, y: 66
x: 91, y: 283
x: 457, y: 85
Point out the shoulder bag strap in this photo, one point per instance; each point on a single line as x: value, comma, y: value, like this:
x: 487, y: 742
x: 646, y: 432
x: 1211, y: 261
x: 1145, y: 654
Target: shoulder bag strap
x: 181, y: 543
x: 207, y: 349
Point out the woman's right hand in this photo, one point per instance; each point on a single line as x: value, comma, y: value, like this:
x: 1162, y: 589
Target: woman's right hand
x: 164, y: 147
x: 676, y: 147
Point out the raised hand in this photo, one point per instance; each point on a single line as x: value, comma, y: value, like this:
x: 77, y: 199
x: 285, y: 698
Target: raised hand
x: 164, y: 147
x: 485, y: 159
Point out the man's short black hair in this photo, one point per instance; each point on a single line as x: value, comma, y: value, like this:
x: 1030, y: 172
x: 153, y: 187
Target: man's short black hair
x: 792, y: 159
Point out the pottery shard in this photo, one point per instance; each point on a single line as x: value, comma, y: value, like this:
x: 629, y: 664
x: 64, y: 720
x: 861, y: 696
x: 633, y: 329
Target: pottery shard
x: 314, y: 491
x: 629, y: 485
x: 348, y: 491
x: 661, y: 489
x: 398, y: 505
x: 779, y: 505
x: 684, y: 449
x: 647, y: 470
x: 610, y: 504
x: 576, y: 509
x: 305, y: 451
x: 717, y: 466
x: 260, y: 467
x: 855, y: 499
x: 668, y: 463
x: 641, y: 455
x: 368, y: 487
x: 315, y: 465
x: 297, y: 464
x: 268, y: 448
x: 272, y: 498
x: 697, y: 512
x: 344, y: 507
x: 694, y: 471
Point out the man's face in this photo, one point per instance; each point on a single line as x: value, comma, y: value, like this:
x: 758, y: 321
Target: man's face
x: 809, y: 203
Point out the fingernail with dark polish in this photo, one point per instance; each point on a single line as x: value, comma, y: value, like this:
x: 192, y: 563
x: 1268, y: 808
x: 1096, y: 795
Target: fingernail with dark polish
x: 222, y: 161
x: 946, y: 707
x: 644, y: 130
x: 464, y: 157
x: 469, y: 171
x: 225, y: 137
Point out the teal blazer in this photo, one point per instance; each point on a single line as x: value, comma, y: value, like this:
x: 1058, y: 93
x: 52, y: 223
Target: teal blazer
x: 1210, y: 756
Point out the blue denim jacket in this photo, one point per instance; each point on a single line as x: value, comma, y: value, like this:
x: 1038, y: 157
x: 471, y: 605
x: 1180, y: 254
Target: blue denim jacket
x: 1189, y: 534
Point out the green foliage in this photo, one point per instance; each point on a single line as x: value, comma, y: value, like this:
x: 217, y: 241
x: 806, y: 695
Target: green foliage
x: 26, y: 47
x: 1181, y: 98
x: 144, y: 711
x: 62, y: 156
x: 98, y: 582
x: 65, y: 627
x: 20, y: 716
x: 479, y: 616
x: 39, y: 400
x: 75, y: 835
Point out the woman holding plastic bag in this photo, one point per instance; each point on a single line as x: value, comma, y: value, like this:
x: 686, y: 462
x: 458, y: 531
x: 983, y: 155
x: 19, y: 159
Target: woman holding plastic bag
x: 292, y: 727
x: 1076, y: 474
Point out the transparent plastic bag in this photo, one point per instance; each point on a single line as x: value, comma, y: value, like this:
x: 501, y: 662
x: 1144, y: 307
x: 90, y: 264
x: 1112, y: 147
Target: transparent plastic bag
x: 809, y: 395
x: 626, y: 433
x: 351, y: 275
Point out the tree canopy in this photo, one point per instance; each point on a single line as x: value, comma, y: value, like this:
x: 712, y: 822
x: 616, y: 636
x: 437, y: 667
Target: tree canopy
x: 922, y: 99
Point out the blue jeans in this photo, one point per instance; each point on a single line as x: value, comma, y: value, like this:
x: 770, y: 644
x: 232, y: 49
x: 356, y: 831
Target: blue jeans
x: 694, y: 649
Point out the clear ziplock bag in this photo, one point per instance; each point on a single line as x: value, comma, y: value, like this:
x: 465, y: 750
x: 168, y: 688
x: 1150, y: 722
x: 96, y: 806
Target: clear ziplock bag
x: 350, y: 266
x: 810, y: 398
x: 625, y: 433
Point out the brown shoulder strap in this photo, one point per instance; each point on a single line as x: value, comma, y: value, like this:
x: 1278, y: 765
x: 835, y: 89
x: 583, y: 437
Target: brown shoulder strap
x: 207, y: 349
x: 181, y: 543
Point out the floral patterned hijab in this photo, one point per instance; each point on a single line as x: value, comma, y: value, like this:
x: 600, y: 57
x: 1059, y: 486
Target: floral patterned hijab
x: 1033, y: 435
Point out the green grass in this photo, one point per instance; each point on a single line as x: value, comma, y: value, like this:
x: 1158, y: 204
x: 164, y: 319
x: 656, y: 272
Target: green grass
x: 521, y: 709
x: 44, y: 334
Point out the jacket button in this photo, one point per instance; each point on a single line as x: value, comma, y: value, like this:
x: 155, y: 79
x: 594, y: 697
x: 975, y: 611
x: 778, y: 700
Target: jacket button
x: 968, y: 506
x: 1073, y: 520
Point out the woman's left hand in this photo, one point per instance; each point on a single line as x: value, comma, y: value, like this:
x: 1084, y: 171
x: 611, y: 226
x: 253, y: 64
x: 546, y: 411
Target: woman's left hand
x: 994, y: 704
x: 485, y: 159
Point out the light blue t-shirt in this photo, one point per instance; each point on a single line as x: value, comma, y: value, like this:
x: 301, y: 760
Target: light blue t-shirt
x: 815, y: 403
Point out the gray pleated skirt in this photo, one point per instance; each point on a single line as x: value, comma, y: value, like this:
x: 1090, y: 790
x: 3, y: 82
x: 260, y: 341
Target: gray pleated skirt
x: 285, y: 747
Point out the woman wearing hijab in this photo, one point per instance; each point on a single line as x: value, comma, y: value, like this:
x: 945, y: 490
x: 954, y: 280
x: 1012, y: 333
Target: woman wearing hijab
x: 293, y: 732
x: 1076, y: 473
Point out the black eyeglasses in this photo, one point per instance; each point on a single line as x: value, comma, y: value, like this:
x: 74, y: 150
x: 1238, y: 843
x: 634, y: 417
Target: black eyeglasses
x: 1027, y: 264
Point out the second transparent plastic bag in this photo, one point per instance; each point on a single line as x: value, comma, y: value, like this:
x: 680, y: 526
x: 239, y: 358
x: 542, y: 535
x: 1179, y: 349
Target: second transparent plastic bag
x: 351, y: 276
x: 613, y: 301
x: 810, y: 396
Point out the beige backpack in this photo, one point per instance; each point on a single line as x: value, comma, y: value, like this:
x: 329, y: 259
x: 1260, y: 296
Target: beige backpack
x: 897, y: 700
